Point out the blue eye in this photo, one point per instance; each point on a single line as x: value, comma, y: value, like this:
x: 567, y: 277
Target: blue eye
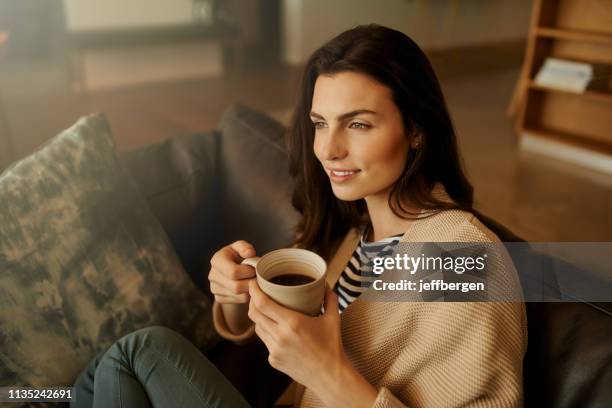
x: 359, y: 125
x: 318, y: 125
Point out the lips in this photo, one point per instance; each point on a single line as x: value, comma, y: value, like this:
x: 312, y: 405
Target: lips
x: 342, y: 175
x: 343, y: 172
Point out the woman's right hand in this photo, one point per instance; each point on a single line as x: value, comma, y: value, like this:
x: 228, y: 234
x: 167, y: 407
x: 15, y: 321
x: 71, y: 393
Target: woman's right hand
x: 229, y: 280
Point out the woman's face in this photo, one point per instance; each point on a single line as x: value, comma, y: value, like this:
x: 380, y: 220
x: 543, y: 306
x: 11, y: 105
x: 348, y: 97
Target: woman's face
x: 359, y: 135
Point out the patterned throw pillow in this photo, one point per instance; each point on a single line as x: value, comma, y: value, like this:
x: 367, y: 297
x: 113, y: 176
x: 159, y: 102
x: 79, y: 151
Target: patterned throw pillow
x: 83, y: 261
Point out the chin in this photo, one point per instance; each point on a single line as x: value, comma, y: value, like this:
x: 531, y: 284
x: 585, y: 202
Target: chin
x: 347, y: 194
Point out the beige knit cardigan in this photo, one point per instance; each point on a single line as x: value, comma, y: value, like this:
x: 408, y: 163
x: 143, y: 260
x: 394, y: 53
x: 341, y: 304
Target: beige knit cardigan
x: 429, y: 354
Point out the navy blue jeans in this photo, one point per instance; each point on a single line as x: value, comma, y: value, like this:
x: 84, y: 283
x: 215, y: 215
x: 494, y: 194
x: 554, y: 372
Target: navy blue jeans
x: 154, y: 367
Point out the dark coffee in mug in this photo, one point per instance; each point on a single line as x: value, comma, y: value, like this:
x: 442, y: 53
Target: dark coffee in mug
x: 292, y: 279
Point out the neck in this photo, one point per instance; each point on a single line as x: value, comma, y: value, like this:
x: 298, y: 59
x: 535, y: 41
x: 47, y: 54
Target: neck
x: 384, y: 222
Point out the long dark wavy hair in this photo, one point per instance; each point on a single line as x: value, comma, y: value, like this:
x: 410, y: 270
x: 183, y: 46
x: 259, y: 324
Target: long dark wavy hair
x: 393, y: 59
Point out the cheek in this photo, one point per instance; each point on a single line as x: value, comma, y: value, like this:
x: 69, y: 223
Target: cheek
x: 386, y: 156
x: 316, y: 145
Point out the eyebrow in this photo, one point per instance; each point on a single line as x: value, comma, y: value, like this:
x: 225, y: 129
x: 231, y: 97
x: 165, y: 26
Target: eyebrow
x: 345, y: 115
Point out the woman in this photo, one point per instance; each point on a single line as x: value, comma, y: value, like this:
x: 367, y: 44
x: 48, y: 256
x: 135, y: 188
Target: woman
x: 375, y: 160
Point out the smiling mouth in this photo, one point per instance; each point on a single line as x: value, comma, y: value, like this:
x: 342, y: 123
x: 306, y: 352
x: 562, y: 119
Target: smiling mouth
x: 343, y: 173
x: 341, y: 176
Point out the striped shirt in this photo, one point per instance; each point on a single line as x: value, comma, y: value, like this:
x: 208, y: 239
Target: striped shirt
x: 358, y: 274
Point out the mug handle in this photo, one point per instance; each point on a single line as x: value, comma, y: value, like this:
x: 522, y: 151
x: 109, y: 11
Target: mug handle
x: 251, y: 261
x: 238, y: 311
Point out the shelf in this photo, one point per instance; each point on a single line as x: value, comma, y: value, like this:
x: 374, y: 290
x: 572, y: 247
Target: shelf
x: 582, y: 58
x: 600, y: 96
x: 568, y: 114
x: 569, y: 139
x: 540, y: 142
x: 574, y: 35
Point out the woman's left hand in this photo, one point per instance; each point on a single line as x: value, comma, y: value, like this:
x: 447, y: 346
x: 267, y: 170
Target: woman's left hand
x: 307, y: 349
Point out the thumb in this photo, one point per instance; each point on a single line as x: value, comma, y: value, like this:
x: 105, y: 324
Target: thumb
x: 331, y: 301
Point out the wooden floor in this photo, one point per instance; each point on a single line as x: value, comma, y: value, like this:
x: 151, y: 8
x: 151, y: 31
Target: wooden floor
x: 538, y: 198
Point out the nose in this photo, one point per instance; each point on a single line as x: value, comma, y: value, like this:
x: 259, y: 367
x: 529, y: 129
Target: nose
x: 330, y: 146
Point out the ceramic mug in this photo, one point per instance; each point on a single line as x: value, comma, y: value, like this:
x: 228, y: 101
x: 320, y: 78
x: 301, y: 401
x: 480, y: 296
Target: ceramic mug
x: 293, y: 277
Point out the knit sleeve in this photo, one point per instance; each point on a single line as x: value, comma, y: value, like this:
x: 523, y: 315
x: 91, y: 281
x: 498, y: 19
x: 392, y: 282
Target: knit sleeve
x: 462, y: 355
x: 222, y: 329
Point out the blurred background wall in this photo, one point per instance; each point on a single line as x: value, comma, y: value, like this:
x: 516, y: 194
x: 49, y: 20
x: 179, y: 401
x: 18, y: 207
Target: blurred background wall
x: 161, y: 68
x: 110, y: 14
x: 434, y: 25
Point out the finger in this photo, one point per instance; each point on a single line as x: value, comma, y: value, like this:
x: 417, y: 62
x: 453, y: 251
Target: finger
x: 219, y: 290
x: 231, y: 299
x: 264, y: 326
x: 265, y: 336
x: 261, y: 319
x: 231, y: 286
x: 243, y: 248
x: 267, y: 306
x: 226, y: 265
x: 331, y: 301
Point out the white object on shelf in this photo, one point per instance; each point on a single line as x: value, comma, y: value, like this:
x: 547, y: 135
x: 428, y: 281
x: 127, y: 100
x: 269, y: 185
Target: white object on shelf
x: 565, y: 75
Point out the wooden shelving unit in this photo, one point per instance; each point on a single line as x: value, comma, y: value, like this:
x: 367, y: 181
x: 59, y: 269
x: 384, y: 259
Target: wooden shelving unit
x: 573, y: 35
x: 588, y: 94
x: 577, y: 30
